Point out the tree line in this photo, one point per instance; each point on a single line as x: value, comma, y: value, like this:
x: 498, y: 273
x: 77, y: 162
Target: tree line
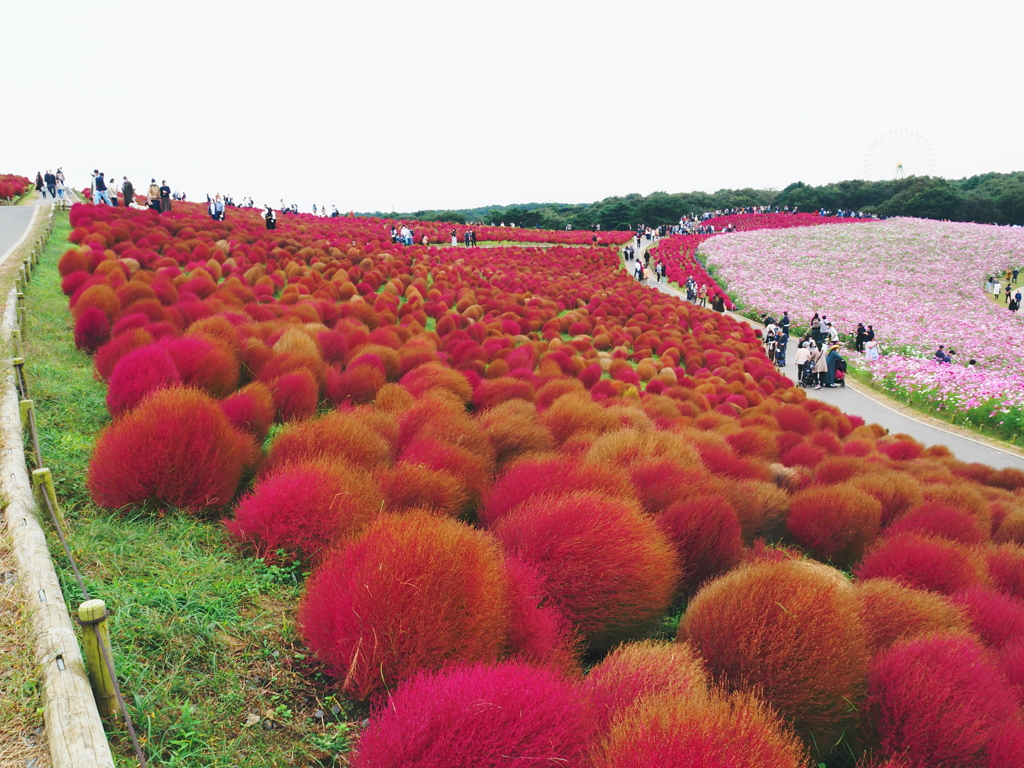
x: 990, y: 198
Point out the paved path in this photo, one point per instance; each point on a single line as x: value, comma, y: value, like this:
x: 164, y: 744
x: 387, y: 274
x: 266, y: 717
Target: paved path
x: 874, y: 411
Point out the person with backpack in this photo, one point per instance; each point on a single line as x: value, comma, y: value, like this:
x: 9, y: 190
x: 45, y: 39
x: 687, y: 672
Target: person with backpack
x: 269, y: 216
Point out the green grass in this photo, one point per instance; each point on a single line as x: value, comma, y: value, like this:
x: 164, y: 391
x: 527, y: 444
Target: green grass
x: 203, y: 637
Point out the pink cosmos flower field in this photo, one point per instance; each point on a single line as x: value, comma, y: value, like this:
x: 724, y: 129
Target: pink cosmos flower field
x: 920, y: 283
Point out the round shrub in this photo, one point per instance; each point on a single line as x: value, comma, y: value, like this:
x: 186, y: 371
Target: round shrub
x: 205, y: 364
x: 530, y: 478
x: 1006, y: 567
x: 514, y: 431
x: 295, y: 395
x: 896, y: 491
x: 940, y: 521
x: 300, y: 509
x: 138, y: 374
x: 635, y: 670
x: 92, y: 330
x: 718, y: 731
x: 412, y: 592
x: 539, y: 631
x: 891, y: 611
x: 789, y: 629
x: 177, y: 447
x: 834, y: 522
x: 706, y: 535
x: 938, y: 701
x: 480, y: 716
x: 251, y: 409
x: 996, y: 618
x: 604, y: 562
x: 337, y: 435
x: 923, y: 562
x: 413, y: 486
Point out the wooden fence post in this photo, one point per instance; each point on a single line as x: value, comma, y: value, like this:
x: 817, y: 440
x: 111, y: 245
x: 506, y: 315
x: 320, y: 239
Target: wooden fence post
x: 42, y: 479
x: 90, y: 613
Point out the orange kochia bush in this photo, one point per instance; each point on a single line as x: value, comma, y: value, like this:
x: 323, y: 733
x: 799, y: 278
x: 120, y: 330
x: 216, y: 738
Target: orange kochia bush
x: 790, y: 631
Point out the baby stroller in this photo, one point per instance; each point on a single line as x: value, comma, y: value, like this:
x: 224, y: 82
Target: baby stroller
x: 809, y: 378
x: 840, y: 376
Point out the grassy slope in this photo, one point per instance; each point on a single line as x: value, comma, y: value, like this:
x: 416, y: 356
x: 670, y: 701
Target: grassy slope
x: 202, y: 636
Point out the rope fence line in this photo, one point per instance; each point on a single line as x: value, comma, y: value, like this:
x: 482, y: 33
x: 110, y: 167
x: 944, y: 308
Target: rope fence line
x: 92, y: 614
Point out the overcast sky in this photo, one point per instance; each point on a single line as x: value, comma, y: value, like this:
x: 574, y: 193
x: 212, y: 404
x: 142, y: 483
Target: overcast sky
x: 405, y: 106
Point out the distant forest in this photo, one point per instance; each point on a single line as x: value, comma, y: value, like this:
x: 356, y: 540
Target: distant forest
x: 991, y: 198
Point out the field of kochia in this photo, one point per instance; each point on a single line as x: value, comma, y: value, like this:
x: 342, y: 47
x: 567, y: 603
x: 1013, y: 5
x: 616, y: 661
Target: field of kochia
x: 551, y: 516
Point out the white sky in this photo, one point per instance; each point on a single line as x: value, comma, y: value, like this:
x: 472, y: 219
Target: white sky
x: 406, y: 106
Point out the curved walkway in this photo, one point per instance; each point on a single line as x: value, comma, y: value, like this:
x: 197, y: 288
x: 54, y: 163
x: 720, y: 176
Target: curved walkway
x: 875, y: 410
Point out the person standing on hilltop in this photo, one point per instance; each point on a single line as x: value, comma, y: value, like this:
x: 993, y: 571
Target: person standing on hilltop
x: 165, y: 198
x: 270, y: 217
x: 153, y: 196
x: 128, y: 190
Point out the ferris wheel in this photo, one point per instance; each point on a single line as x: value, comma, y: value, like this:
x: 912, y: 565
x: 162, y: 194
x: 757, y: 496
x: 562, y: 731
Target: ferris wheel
x: 897, y: 155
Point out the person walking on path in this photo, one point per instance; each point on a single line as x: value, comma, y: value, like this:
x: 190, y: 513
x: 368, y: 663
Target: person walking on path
x: 1009, y: 291
x: 128, y: 190
x: 702, y: 294
x: 51, y: 184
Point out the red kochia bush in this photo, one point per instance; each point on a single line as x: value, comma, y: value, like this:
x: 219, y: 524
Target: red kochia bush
x: 938, y: 701
x: 789, y: 628
x: 413, y: 592
x: 539, y: 631
x: 635, y: 670
x: 303, y: 508
x: 834, y: 522
x: 530, y: 478
x: 251, y: 409
x: 605, y: 562
x: 137, y: 374
x: 716, y: 731
x: 996, y: 618
x: 923, y: 562
x: 706, y: 535
x: 934, y: 519
x: 92, y: 330
x: 295, y: 395
x: 480, y: 716
x: 1006, y: 567
x: 205, y: 364
x: 176, y: 447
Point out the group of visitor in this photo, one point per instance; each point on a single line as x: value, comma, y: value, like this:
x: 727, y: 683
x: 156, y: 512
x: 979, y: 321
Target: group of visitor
x: 51, y: 184
x: 1008, y: 288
